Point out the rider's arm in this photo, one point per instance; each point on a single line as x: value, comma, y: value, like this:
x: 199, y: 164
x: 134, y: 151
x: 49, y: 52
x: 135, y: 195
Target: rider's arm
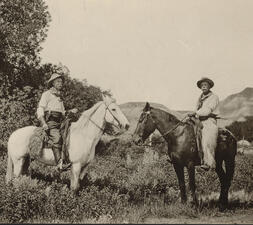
x: 42, y: 120
x: 193, y: 113
x: 41, y: 108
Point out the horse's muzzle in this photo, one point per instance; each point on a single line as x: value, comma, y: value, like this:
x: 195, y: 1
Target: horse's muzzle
x: 127, y: 126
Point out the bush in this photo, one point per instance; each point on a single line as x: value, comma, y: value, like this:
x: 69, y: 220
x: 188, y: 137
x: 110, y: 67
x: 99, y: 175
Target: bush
x: 242, y: 130
x: 124, y: 182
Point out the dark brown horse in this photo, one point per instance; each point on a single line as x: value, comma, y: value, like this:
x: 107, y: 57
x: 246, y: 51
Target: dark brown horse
x: 182, y: 149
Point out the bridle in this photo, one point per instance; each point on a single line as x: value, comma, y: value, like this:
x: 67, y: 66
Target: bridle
x: 114, y: 118
x: 148, y: 113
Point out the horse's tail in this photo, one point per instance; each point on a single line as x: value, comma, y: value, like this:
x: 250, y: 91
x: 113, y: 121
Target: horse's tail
x: 234, y: 140
x: 9, y: 171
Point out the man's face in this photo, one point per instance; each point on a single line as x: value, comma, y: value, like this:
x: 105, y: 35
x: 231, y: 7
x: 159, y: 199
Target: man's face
x: 205, y: 87
x: 57, y: 83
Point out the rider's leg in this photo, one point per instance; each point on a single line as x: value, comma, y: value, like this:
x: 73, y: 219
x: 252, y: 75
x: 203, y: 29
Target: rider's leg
x: 57, y: 148
x: 55, y: 136
x: 209, y: 142
x: 198, y: 132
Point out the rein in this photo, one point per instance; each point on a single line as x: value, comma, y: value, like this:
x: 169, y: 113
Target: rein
x: 167, y: 132
x: 107, y: 108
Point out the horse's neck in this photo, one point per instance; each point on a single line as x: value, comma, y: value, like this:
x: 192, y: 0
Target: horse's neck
x: 98, y: 118
x: 95, y: 123
x: 165, y: 122
x: 165, y: 125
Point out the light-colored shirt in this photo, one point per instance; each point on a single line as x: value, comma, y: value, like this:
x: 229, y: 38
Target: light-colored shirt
x: 210, y: 105
x: 50, y: 102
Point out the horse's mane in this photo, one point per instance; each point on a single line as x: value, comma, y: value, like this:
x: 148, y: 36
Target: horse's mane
x: 85, y: 116
x: 169, y: 116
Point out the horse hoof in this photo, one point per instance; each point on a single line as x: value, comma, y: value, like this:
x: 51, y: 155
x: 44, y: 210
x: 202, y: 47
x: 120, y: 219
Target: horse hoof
x: 183, y: 201
x: 74, y: 193
x: 222, y: 207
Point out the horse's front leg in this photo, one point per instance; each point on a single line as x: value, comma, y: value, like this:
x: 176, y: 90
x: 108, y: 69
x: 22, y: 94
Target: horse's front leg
x: 75, y: 175
x: 191, y: 173
x: 180, y: 176
x: 83, y: 171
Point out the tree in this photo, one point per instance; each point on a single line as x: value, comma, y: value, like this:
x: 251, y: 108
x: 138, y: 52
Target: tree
x: 23, y: 26
x: 242, y: 130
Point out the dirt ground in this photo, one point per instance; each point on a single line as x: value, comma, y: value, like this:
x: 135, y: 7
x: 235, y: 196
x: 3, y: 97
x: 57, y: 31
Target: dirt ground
x: 239, y: 217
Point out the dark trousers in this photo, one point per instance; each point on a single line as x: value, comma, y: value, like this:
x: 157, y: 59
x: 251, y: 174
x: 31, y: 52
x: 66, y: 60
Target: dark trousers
x: 53, y: 121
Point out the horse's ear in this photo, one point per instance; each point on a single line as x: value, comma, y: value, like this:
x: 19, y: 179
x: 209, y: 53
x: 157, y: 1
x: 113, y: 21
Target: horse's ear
x: 147, y: 107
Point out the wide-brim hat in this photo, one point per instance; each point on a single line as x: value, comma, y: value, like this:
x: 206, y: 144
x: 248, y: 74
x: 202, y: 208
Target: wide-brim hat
x: 206, y: 79
x: 53, y: 77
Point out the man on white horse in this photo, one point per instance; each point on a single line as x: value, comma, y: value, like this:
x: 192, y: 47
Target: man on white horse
x: 51, y: 112
x: 206, y: 111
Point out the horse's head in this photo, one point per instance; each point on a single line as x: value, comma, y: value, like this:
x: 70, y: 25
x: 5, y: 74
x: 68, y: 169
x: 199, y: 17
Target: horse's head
x: 113, y: 113
x: 145, y: 125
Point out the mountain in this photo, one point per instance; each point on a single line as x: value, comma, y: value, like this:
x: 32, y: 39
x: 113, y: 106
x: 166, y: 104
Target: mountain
x: 233, y: 108
x: 238, y: 106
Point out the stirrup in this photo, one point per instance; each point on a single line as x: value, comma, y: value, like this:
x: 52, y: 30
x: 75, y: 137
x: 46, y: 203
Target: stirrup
x: 66, y: 167
x: 59, y: 165
x: 205, y: 167
x: 63, y: 167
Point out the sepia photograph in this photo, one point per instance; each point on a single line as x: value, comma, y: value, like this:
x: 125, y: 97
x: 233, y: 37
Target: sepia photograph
x: 126, y: 111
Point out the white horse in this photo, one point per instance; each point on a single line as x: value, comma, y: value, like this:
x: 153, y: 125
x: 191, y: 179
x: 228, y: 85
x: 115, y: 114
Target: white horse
x: 84, y: 136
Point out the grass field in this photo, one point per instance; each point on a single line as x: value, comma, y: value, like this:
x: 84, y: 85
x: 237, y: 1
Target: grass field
x: 125, y: 184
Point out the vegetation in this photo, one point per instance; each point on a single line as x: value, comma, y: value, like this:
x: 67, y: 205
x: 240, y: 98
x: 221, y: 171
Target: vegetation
x: 125, y: 183
x: 243, y: 129
x: 23, y: 27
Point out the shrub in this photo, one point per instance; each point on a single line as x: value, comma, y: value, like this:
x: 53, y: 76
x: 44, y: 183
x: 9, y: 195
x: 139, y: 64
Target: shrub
x: 121, y: 185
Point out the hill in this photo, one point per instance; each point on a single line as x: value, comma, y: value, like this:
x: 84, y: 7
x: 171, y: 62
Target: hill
x: 233, y: 108
x: 237, y: 106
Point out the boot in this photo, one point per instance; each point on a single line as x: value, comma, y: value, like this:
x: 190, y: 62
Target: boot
x: 203, y: 165
x: 57, y: 155
x: 57, y: 158
x: 63, y: 167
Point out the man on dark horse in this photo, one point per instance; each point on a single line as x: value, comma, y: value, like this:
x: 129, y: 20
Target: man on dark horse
x: 206, y: 112
x: 51, y: 112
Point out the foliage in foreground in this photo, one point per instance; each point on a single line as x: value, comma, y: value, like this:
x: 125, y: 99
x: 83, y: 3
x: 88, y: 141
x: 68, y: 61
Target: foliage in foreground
x: 125, y: 181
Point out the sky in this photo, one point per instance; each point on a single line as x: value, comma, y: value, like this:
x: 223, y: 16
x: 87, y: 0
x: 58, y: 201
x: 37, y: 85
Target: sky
x: 154, y: 50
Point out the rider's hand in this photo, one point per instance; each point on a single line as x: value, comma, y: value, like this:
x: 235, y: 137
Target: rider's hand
x: 192, y: 114
x: 45, y: 126
x: 75, y: 110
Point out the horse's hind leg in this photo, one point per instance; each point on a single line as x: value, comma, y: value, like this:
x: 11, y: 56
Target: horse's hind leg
x: 26, y: 164
x: 180, y: 176
x: 230, y: 168
x: 18, y: 167
x: 223, y: 199
x: 191, y: 173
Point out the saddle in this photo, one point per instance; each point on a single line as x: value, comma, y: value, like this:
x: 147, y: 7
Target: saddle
x: 64, y: 130
x: 39, y: 139
x: 197, y: 127
x: 224, y: 135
